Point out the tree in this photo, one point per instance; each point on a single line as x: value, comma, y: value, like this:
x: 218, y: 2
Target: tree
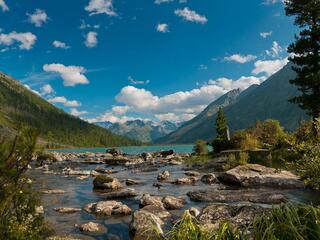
x: 221, y: 142
x: 201, y: 148
x: 306, y: 56
x: 221, y: 125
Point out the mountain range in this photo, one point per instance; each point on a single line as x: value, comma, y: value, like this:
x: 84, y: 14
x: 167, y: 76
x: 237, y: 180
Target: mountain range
x: 270, y: 99
x: 141, y: 130
x: 21, y: 107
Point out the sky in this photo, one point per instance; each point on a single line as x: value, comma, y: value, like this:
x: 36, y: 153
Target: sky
x: 119, y: 60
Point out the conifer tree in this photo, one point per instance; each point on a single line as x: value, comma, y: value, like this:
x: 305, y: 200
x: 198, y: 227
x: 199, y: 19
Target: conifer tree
x: 306, y: 54
x: 221, y: 125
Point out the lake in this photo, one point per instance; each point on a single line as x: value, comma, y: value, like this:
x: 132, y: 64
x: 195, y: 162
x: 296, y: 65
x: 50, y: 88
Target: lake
x: 134, y: 149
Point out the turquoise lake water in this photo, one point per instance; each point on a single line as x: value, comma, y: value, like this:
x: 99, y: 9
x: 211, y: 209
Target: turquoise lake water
x: 134, y: 149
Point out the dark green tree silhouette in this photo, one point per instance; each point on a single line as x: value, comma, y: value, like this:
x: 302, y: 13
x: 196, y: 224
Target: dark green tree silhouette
x: 305, y: 53
x: 221, y: 142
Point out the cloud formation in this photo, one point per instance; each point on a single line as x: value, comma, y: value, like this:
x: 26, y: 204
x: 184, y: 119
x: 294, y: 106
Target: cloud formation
x: 65, y: 102
x: 265, y: 34
x: 4, y: 6
x: 137, y: 82
x: 75, y: 112
x: 91, y: 39
x: 275, y: 50
x: 46, y: 89
x: 71, y: 75
x: 38, y: 18
x: 269, y: 67
x: 26, y: 40
x: 162, y: 27
x: 162, y: 1
x: 101, y: 7
x: 190, y: 15
x: 59, y: 44
x: 240, y: 58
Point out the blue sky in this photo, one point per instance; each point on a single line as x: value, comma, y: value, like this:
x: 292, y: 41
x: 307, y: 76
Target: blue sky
x: 118, y: 60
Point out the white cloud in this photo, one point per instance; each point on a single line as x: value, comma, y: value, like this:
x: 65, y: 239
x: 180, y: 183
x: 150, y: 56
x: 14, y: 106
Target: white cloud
x: 269, y: 67
x: 26, y: 40
x: 38, y: 18
x: 242, y: 83
x: 32, y: 90
x: 46, y: 89
x: 190, y: 15
x: 275, y: 50
x: 137, y: 82
x: 85, y: 25
x: 59, y: 44
x: 240, y: 58
x: 4, y: 6
x: 162, y: 1
x: 71, y: 75
x: 265, y: 34
x: 270, y: 2
x: 101, y: 7
x: 120, y: 110
x: 65, y: 102
x: 75, y: 112
x: 203, y: 67
x: 91, y: 39
x: 162, y: 27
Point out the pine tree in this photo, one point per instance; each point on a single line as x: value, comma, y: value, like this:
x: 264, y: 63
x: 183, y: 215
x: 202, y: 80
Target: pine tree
x: 305, y: 54
x: 221, y: 125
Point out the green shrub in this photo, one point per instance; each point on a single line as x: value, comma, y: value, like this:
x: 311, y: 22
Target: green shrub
x: 220, y: 144
x: 201, y: 148
x: 245, y: 141
x: 288, y: 222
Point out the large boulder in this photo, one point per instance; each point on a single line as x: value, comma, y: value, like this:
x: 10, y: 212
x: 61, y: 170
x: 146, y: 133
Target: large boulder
x: 255, y: 175
x: 108, y: 208
x: 147, y: 199
x: 157, y: 210
x: 232, y: 196
x: 145, y: 225
x: 238, y: 215
x: 106, y: 183
x: 123, y: 193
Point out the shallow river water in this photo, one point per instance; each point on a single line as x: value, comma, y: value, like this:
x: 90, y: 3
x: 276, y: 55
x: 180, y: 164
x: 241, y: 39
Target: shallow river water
x: 79, y: 193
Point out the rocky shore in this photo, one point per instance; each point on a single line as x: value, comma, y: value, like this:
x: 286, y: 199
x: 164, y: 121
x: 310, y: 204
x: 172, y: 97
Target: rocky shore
x: 152, y: 190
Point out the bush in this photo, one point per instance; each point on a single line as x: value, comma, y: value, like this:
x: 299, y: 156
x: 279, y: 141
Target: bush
x: 18, y: 216
x: 245, y: 141
x: 288, y: 222
x: 220, y: 145
x: 201, y: 148
x: 243, y: 158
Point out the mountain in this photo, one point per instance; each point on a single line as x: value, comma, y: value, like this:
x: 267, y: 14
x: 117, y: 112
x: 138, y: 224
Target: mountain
x: 258, y: 102
x: 144, y: 131
x: 20, y: 106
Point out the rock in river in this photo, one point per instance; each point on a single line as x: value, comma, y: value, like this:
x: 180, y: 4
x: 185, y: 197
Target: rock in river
x: 192, y: 173
x: 209, y: 178
x: 145, y: 225
x: 54, y: 191
x: 188, y: 180
x: 106, y: 183
x: 92, y: 227
x: 163, y: 176
x: 124, y: 193
x: 254, y: 175
x: 230, y: 196
x: 147, y: 199
x: 172, y: 203
x: 67, y: 210
x: 108, y: 208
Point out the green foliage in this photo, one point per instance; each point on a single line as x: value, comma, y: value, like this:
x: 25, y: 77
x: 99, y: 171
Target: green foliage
x: 243, y: 158
x: 244, y: 140
x: 201, y: 148
x: 19, y: 106
x: 18, y: 217
x: 188, y: 228
x: 221, y: 124
x: 288, y: 222
x: 306, y: 54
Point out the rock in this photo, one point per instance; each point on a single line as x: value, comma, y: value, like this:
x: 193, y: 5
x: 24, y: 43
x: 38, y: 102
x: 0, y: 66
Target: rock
x: 209, y: 178
x: 239, y: 216
x: 231, y: 196
x: 194, y: 212
x: 130, y: 182
x: 105, y: 171
x: 254, y: 175
x: 145, y: 225
x: 57, y: 157
x: 69, y: 171
x: 92, y: 162
x: 39, y: 210
x: 106, y: 183
x: 146, y: 156
x: 124, y: 193
x: 192, y: 174
x: 114, y: 152
x: 147, y: 199
x: 188, y: 180
x: 172, y: 203
x: 166, y: 153
x: 108, y: 208
x: 163, y: 176
x: 67, y: 210
x: 92, y: 227
x: 175, y: 162
x: 157, y: 210
x: 94, y: 173
x: 54, y: 191
x: 82, y: 177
